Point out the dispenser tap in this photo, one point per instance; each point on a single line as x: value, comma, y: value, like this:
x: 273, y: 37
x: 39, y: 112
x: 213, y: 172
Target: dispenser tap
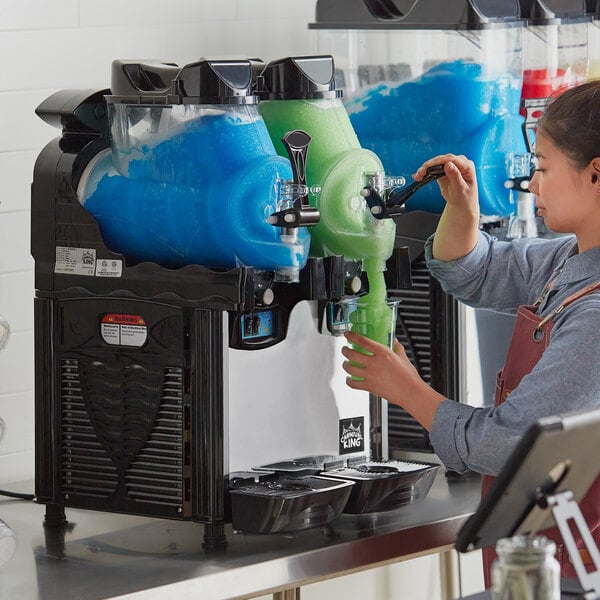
x: 520, y: 169
x: 394, y: 201
x: 300, y: 213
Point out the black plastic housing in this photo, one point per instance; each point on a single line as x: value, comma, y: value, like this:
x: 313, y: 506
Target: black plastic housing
x: 202, y: 82
x: 554, y: 12
x: 422, y: 14
x: 298, y: 78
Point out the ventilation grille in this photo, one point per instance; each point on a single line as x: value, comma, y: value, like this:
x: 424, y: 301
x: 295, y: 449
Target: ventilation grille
x: 156, y: 474
x: 414, y: 314
x: 122, y: 431
x: 414, y: 333
x: 86, y: 466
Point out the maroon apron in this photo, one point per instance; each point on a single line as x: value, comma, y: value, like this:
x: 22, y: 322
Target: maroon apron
x: 531, y: 336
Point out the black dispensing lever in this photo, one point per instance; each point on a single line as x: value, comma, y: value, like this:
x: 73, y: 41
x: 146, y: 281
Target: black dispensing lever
x: 300, y: 213
x: 394, y: 202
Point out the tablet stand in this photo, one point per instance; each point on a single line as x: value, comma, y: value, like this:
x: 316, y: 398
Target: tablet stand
x: 567, y: 514
x: 543, y: 479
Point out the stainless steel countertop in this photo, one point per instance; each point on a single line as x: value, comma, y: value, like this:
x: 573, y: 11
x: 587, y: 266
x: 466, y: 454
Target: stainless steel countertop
x: 105, y: 555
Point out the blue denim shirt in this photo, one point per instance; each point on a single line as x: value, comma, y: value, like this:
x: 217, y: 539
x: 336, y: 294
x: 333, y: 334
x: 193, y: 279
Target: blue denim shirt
x: 501, y: 276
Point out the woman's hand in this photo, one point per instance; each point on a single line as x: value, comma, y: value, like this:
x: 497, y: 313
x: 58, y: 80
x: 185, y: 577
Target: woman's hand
x: 458, y: 229
x: 459, y: 186
x: 390, y: 374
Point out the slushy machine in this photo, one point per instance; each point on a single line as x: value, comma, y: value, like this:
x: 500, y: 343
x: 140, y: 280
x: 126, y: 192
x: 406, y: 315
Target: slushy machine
x: 199, y: 233
x: 471, y: 77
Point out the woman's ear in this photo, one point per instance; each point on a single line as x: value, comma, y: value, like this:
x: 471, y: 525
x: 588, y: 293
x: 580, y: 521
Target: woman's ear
x: 595, y: 168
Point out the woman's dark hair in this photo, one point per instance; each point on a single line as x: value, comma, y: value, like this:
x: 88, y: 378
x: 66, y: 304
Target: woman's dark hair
x: 572, y: 122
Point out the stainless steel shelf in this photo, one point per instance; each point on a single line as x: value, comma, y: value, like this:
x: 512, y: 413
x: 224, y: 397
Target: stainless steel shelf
x: 105, y: 555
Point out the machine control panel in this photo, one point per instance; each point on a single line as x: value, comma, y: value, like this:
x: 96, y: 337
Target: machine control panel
x: 256, y: 325
x: 257, y: 328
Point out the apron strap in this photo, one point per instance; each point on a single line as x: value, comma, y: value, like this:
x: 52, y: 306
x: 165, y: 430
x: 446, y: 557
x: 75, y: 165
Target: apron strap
x: 583, y: 292
x: 546, y: 290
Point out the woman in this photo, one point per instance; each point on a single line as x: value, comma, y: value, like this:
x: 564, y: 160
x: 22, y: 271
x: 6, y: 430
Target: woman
x: 552, y: 365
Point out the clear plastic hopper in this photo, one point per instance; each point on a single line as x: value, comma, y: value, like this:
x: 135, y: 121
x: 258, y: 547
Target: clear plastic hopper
x: 433, y: 78
x: 192, y: 176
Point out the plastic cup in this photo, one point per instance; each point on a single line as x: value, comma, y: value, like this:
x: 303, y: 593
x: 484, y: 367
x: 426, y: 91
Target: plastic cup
x: 374, y: 320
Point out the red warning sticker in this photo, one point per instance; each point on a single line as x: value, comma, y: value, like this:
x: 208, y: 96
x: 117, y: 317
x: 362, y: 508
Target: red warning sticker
x: 119, y: 329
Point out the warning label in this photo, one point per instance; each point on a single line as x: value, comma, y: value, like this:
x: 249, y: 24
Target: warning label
x: 123, y: 330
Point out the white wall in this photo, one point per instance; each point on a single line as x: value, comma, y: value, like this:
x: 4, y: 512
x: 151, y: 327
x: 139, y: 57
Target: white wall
x: 47, y: 46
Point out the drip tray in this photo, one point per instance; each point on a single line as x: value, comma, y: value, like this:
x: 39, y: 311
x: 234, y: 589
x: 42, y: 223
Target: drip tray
x: 381, y: 486
x: 306, y: 465
x: 378, y: 486
x: 271, y: 502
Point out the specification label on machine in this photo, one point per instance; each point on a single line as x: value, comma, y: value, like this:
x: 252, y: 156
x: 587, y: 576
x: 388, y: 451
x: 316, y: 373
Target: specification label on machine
x: 123, y: 330
x: 109, y: 267
x: 83, y: 261
x: 76, y: 261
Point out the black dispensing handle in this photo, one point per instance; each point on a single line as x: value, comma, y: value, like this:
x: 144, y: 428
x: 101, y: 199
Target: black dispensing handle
x: 301, y: 213
x: 394, y: 203
x: 401, y: 196
x: 296, y: 143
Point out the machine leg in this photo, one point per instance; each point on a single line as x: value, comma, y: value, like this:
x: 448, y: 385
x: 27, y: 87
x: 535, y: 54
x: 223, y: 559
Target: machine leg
x: 56, y: 527
x: 447, y: 574
x: 215, y: 539
x: 377, y: 452
x: 55, y: 516
x: 291, y: 594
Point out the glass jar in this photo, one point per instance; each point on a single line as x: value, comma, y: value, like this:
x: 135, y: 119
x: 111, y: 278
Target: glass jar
x: 8, y: 543
x: 525, y: 569
x: 4, y: 332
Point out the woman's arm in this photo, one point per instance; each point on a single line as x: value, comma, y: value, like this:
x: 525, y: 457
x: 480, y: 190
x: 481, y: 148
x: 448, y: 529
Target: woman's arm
x: 390, y: 374
x: 457, y: 231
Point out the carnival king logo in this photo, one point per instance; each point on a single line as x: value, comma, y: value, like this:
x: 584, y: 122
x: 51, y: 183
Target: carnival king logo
x: 352, y: 437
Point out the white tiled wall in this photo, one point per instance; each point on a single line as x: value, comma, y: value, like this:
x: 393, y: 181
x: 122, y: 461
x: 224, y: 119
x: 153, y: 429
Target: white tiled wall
x: 47, y: 46
x: 50, y: 45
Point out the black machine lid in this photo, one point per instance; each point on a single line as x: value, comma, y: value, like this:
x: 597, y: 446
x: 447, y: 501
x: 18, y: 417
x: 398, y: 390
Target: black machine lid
x: 555, y: 12
x: 297, y: 78
x: 203, y: 82
x: 419, y: 14
x: 592, y: 8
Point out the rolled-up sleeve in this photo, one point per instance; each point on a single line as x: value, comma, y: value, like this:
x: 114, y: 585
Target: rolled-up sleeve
x: 448, y: 434
x: 499, y: 275
x: 461, y: 269
x: 468, y: 438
